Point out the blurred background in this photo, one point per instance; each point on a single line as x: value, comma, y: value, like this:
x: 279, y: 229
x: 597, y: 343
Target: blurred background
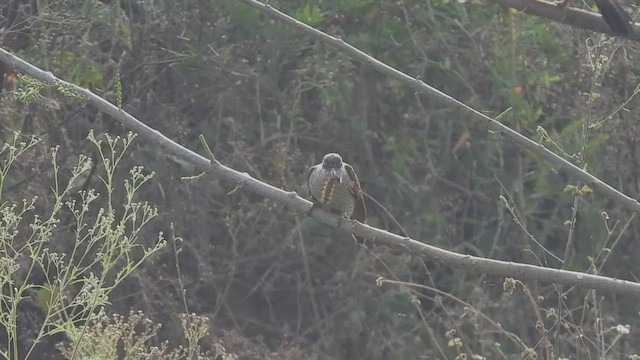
x: 271, y: 101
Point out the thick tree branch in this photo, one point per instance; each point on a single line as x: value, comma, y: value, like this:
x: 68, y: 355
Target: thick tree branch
x: 567, y: 15
x: 292, y: 200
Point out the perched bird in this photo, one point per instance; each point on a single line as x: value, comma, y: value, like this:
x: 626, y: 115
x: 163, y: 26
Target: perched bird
x: 334, y: 185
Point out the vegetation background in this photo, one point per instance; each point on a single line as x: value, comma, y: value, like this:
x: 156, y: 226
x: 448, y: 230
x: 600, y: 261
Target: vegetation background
x: 270, y: 101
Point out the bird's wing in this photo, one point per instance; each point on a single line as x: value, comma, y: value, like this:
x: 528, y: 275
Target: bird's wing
x: 616, y: 17
x: 309, y: 172
x: 359, y: 210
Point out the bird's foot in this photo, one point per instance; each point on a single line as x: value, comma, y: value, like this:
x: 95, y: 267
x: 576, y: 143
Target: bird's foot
x: 344, y: 218
x: 341, y: 218
x: 313, y: 207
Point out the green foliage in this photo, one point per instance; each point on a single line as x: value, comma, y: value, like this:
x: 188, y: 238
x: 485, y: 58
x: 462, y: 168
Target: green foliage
x: 68, y: 92
x: 400, y: 152
x: 310, y: 15
x: 80, y: 69
x: 105, y: 247
x: 111, y: 18
x: 244, y: 20
x: 31, y: 89
x: 118, y: 91
x: 351, y: 5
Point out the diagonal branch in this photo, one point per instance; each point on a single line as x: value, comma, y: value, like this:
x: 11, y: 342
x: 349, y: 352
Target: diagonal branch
x: 587, y: 20
x: 292, y: 200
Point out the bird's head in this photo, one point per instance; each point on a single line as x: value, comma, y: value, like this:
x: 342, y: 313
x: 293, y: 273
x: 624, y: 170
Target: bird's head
x: 332, y: 164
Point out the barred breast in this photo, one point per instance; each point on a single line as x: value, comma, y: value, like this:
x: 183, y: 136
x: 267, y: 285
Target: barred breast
x: 330, y: 193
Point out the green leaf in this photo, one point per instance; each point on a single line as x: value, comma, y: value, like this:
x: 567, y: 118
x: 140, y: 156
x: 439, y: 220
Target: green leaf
x: 310, y: 15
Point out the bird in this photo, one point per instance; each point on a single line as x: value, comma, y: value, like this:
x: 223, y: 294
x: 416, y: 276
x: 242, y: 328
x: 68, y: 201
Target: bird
x: 334, y: 186
x: 613, y: 14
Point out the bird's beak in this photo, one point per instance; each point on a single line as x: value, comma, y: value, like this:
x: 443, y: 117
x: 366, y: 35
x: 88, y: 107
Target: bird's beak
x: 335, y: 173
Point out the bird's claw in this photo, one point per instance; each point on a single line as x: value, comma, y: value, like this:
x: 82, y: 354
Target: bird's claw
x: 313, y: 207
x: 341, y: 219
